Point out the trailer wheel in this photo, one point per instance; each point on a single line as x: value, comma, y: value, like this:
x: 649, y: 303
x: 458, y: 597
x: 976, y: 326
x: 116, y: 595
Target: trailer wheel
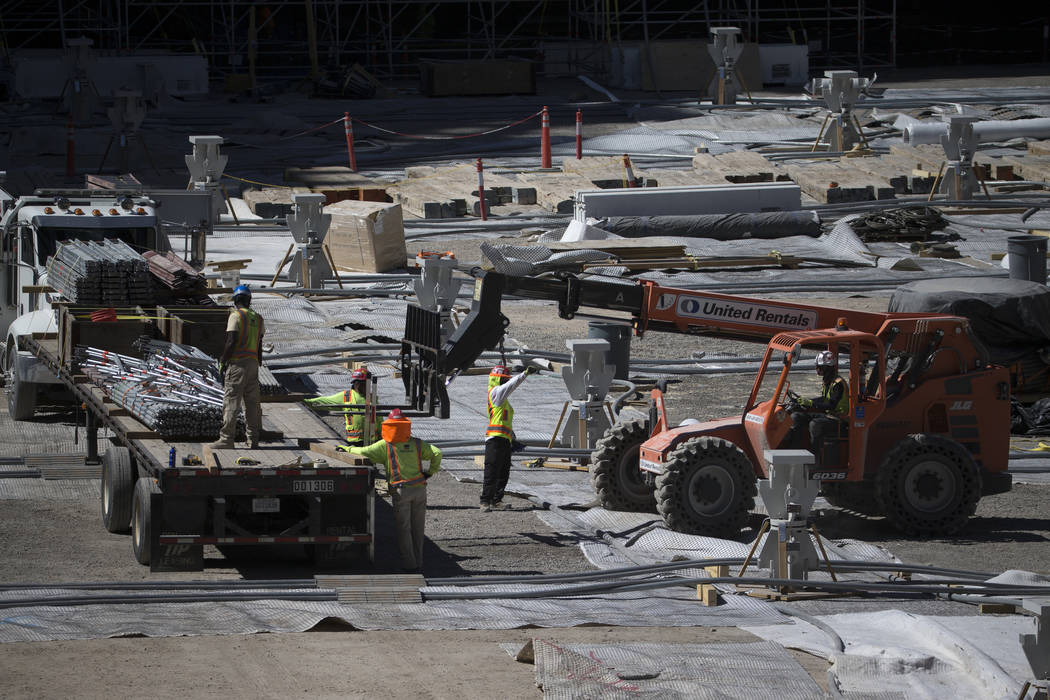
x: 118, y: 489
x: 21, y: 396
x: 708, y: 488
x: 141, y: 519
x: 615, y: 475
x: 928, y: 485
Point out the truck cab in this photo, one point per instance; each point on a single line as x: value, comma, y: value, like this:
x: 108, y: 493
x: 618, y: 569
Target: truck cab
x: 31, y: 229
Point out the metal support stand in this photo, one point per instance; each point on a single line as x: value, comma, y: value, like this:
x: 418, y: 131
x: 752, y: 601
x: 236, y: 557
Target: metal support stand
x: 840, y: 90
x: 788, y: 550
x: 960, y: 145
x: 309, y: 226
x: 725, y: 49
x: 206, y: 165
x: 79, y: 96
x: 587, y: 378
x: 436, y: 288
x: 1037, y: 649
x: 126, y: 115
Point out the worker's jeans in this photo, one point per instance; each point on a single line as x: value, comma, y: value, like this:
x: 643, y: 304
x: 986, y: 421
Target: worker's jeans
x: 410, y: 515
x: 242, y: 383
x: 497, y: 470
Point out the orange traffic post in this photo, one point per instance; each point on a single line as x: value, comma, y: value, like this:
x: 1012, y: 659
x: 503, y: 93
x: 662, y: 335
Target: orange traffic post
x: 481, y: 193
x: 579, y: 135
x: 627, y: 169
x: 71, y: 160
x: 545, y: 139
x: 349, y: 141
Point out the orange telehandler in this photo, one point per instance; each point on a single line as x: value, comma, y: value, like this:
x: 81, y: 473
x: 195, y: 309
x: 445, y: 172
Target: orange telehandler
x: 926, y: 435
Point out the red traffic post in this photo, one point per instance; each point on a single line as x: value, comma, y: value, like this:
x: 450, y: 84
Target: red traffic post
x: 481, y: 193
x: 579, y: 135
x: 349, y: 141
x: 545, y: 139
x: 71, y: 160
x: 628, y: 170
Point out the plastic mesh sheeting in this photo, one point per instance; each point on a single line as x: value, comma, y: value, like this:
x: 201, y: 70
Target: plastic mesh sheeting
x: 50, y: 489
x: 653, y: 670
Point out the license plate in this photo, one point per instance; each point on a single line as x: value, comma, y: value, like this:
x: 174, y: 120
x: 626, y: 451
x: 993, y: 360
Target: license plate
x: 314, y: 486
x: 266, y: 505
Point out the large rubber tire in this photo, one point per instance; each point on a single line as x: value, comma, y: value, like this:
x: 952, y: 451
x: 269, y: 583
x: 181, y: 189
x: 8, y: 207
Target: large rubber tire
x: 615, y: 475
x: 21, y: 396
x: 118, y: 489
x: 708, y: 489
x: 928, y: 485
x: 852, y: 496
x: 142, y: 520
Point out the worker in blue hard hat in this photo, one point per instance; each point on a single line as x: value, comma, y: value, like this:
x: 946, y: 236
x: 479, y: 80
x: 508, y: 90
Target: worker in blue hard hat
x: 239, y: 366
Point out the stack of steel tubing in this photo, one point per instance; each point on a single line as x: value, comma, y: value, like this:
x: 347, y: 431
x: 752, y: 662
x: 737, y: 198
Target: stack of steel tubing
x: 107, y: 273
x: 162, y: 393
x: 200, y: 361
x: 174, y: 272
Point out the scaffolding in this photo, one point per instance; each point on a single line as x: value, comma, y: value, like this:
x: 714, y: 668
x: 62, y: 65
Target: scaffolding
x: 287, y: 40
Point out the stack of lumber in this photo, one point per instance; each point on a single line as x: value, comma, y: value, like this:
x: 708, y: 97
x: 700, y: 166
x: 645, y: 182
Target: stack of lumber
x: 174, y: 272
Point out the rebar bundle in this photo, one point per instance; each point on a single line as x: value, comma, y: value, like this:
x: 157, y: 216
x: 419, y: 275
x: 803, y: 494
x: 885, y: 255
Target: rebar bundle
x: 107, y: 273
x: 162, y: 393
x: 174, y: 272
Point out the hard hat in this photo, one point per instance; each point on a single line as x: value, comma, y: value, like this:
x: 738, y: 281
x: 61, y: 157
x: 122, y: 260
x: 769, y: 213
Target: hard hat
x: 825, y: 359
x: 396, y: 428
x: 499, y: 371
x: 359, y: 375
x: 242, y: 290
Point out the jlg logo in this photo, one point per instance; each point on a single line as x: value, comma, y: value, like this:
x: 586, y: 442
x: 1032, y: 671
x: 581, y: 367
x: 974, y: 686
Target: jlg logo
x: 961, y: 406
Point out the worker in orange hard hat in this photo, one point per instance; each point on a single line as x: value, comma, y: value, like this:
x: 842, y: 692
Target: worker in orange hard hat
x: 499, y: 440
x: 403, y: 456
x: 360, y: 420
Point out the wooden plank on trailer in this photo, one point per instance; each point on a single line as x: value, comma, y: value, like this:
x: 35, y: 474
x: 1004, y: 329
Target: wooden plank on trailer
x: 327, y: 448
x: 134, y: 430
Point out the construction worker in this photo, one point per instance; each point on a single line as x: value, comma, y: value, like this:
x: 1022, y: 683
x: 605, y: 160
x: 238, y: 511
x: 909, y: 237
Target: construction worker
x: 355, y: 423
x: 500, y: 439
x: 239, y: 366
x: 403, y: 456
x: 823, y: 414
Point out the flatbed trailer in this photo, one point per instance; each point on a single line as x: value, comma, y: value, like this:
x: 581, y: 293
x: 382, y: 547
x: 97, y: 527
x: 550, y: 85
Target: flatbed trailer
x: 302, y: 491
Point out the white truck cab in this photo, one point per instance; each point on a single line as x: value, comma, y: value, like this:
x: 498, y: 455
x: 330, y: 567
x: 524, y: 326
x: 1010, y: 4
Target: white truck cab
x: 31, y: 228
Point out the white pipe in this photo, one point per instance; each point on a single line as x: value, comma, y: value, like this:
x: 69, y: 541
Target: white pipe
x: 984, y: 132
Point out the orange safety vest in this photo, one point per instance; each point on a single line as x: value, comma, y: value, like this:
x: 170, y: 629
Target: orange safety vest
x: 248, y: 339
x: 402, y: 474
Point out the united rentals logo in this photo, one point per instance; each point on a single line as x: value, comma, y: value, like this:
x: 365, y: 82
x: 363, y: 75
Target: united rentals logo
x: 742, y: 311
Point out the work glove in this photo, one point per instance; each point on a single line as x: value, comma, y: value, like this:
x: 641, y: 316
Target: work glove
x: 517, y: 445
x: 345, y: 448
x: 805, y: 403
x: 531, y: 370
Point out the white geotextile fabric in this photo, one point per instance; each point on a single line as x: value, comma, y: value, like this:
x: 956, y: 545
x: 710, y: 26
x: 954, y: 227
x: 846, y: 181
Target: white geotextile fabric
x: 667, y: 607
x: 894, y: 654
x: 660, y: 671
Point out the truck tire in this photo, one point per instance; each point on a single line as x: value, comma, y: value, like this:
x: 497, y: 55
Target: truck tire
x: 141, y: 519
x: 118, y: 489
x: 928, y: 485
x: 708, y: 489
x: 615, y: 475
x: 21, y: 396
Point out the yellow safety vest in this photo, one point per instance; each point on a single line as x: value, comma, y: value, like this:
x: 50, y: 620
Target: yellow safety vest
x: 355, y: 422
x: 404, y: 463
x: 247, y: 335
x: 842, y: 407
x: 501, y: 418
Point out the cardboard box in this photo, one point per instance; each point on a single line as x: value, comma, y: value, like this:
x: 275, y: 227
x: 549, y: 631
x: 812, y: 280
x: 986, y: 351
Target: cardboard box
x: 366, y: 236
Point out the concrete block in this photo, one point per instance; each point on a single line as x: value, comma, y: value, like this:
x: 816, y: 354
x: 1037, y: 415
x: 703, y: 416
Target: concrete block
x: 433, y: 210
x: 524, y: 195
x: 460, y: 206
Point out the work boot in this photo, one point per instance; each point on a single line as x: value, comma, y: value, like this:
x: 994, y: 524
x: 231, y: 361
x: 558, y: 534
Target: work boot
x: 500, y: 505
x: 485, y: 508
x: 221, y: 445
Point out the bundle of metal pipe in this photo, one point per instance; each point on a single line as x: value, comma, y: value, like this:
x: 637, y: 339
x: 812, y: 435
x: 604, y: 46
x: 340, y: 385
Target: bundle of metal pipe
x: 106, y: 273
x: 162, y: 393
x: 200, y: 361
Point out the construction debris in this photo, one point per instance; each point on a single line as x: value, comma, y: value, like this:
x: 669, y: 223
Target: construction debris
x: 904, y: 224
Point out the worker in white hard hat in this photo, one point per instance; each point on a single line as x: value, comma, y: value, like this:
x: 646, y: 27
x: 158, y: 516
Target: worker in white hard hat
x: 239, y: 367
x: 824, y: 414
x: 361, y: 425
x: 499, y: 440
x: 403, y: 456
